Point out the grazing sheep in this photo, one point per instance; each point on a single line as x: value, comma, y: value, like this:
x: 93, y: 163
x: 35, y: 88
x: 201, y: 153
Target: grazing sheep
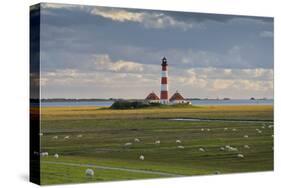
x: 263, y: 127
x: 240, y: 155
x: 40, y: 134
x: 246, y: 147
x: 79, y: 136
x: 56, y: 155
x: 178, y: 141
x: 44, y: 154
x: 66, y: 137
x: 202, y: 129
x: 222, y: 148
x: 225, y: 129
x: 181, y: 147
x: 142, y: 157
x: 246, y: 136
x: 157, y: 142
x: 55, y: 137
x: 137, y: 140
x: 230, y: 148
x: 208, y: 130
x: 270, y: 126
x: 202, y: 149
x: 89, y: 172
x: 234, y: 129
x: 128, y: 144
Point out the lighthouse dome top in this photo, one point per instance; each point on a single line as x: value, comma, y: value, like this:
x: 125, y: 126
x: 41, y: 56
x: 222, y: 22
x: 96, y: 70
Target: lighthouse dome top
x: 164, y: 61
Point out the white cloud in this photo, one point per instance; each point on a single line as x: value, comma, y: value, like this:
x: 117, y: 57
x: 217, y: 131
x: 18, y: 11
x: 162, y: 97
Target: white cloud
x: 148, y: 19
x: 103, y: 62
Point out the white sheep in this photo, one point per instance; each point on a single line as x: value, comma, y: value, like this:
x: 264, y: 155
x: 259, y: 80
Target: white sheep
x: 202, y: 129
x: 246, y: 147
x: 270, y: 126
x: 40, y: 134
x: 234, y: 129
x: 137, y: 140
x: 259, y: 131
x: 128, y: 144
x: 240, y: 155
x: 208, y: 130
x: 225, y: 129
x: 44, y: 154
x: 66, y: 137
x: 230, y: 148
x: 89, y: 172
x: 56, y: 155
x: 178, y: 141
x: 202, y: 149
x: 55, y: 137
x: 246, y: 136
x: 181, y: 147
x: 157, y: 142
x: 222, y: 148
x: 142, y: 157
x: 79, y: 136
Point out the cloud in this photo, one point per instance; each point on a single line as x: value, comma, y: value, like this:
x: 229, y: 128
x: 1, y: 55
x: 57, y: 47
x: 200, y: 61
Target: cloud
x: 103, y: 62
x: 266, y: 34
x: 150, y: 19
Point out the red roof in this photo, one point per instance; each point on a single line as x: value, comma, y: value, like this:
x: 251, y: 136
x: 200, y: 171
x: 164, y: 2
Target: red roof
x: 152, y: 96
x: 176, y: 96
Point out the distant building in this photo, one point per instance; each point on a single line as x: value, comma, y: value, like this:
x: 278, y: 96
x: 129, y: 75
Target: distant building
x: 177, y: 98
x: 152, y: 98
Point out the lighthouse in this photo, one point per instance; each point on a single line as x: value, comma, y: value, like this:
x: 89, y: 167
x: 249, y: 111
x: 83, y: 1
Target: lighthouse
x: 164, y: 82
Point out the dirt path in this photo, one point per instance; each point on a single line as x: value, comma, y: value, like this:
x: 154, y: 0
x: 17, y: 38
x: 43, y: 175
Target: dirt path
x: 113, y: 168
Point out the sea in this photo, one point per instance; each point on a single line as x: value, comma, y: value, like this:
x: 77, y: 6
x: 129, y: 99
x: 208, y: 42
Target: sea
x: 202, y: 102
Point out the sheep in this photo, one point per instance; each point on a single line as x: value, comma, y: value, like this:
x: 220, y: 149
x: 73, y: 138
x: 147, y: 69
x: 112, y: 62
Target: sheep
x: 79, y: 136
x: 240, y: 155
x: 270, y: 126
x: 208, y: 130
x: 55, y: 137
x: 40, y: 134
x: 128, y: 144
x: 259, y: 131
x: 181, y: 147
x: 225, y: 129
x: 137, y: 140
x: 222, y: 148
x: 234, y: 129
x: 246, y: 136
x: 44, y: 154
x: 230, y: 148
x: 157, y: 142
x: 178, y: 141
x: 246, y: 147
x: 272, y: 136
x: 89, y: 172
x: 56, y: 155
x: 142, y: 157
x: 263, y: 127
x: 66, y: 137
x: 202, y: 149
x: 202, y: 129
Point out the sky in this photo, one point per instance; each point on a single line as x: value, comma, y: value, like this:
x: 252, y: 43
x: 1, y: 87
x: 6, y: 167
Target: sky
x: 103, y: 52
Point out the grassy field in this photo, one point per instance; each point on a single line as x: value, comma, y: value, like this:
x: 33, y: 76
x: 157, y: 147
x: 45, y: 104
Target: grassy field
x: 92, y: 137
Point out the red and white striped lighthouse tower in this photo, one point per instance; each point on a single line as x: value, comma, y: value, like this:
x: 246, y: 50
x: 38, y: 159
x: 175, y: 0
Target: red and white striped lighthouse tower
x: 164, y: 82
